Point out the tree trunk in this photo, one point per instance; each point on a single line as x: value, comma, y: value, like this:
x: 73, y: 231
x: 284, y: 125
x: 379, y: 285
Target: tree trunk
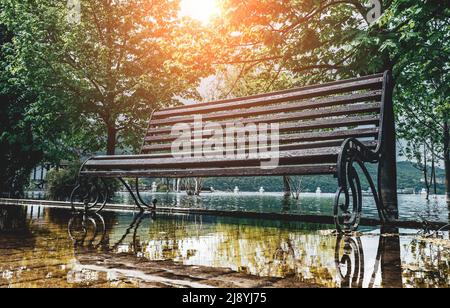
x: 433, y: 174
x: 387, y: 168
x: 287, y: 187
x: 447, y: 158
x: 425, y: 171
x: 111, y: 142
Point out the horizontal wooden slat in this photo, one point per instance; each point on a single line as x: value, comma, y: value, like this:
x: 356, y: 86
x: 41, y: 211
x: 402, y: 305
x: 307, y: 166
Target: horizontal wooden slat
x: 217, y: 172
x: 311, y: 133
x: 281, y: 106
x: 271, y: 110
x: 295, y: 116
x: 291, y: 127
x: 287, y: 138
x: 319, y: 136
x: 285, y: 147
x: 275, y: 97
x: 321, y: 155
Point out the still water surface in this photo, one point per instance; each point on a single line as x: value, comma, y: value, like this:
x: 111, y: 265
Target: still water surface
x: 411, y: 207
x: 48, y: 247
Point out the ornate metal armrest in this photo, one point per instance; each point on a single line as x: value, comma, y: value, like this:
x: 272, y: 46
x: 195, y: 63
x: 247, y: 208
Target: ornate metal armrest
x: 353, y: 152
x: 353, y: 146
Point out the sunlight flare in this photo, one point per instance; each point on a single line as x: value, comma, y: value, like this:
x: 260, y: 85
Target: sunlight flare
x: 201, y: 10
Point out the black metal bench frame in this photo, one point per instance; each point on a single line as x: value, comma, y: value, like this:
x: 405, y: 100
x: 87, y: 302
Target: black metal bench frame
x: 353, y: 150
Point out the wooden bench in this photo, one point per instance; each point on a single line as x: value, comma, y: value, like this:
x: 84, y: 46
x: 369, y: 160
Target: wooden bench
x: 330, y: 128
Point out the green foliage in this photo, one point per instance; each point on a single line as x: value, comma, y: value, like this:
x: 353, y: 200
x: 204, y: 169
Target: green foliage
x: 72, y: 90
x: 274, y: 44
x: 309, y: 41
x: 316, y: 41
x: 423, y: 75
x: 19, y: 151
x: 107, y: 73
x: 61, y: 182
x: 163, y: 188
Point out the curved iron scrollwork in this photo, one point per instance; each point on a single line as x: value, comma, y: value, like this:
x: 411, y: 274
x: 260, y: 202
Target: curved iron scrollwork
x: 350, y: 266
x: 347, y: 215
x: 94, y: 194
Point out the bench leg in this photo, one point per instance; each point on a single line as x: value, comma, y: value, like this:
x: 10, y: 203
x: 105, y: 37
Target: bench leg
x: 154, y: 201
x: 137, y: 220
x: 93, y: 194
x: 387, y: 169
x: 137, y: 198
x: 133, y: 228
x: 347, y: 215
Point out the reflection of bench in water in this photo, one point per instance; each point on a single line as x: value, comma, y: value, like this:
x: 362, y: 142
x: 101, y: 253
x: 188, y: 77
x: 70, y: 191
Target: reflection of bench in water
x: 89, y: 234
x: 350, y: 261
x: 331, y: 129
x: 89, y: 230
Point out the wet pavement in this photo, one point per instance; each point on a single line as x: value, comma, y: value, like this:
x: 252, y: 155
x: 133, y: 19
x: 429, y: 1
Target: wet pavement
x: 50, y: 247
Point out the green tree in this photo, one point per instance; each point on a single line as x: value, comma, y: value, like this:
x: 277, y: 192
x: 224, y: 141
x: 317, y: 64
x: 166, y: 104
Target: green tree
x: 120, y: 62
x: 19, y: 152
x: 276, y: 44
x: 422, y: 98
x: 310, y: 41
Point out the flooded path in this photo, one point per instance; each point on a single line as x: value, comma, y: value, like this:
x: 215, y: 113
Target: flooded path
x: 411, y: 207
x: 48, y: 247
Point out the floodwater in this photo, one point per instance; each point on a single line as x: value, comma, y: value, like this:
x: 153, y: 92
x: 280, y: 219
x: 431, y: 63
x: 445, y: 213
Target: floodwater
x: 48, y: 247
x: 411, y: 207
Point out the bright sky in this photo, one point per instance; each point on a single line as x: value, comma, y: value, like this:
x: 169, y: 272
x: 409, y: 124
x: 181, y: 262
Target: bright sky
x: 201, y: 10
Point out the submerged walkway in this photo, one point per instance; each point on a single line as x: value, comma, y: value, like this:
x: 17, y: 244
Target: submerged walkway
x: 36, y: 251
x: 140, y: 273
x: 48, y: 246
x: 104, y: 270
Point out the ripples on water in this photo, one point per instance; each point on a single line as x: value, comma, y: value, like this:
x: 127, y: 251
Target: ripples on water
x: 36, y: 250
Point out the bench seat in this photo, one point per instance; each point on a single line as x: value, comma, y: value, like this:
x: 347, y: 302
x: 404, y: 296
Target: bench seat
x: 215, y: 172
x: 297, y: 157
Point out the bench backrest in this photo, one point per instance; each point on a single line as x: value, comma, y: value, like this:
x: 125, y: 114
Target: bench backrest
x: 309, y: 117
